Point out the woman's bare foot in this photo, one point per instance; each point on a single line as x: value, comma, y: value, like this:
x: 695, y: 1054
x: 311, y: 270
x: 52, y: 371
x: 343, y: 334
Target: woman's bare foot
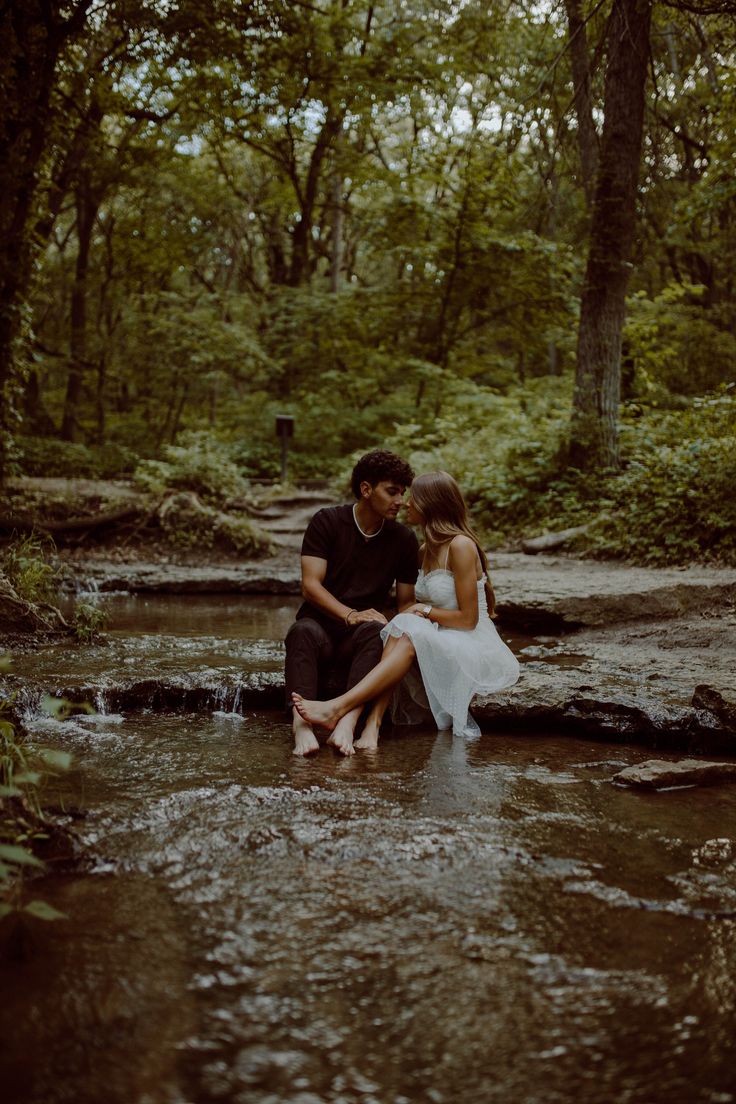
x: 342, y: 740
x: 318, y: 713
x: 369, y: 737
x: 305, y: 742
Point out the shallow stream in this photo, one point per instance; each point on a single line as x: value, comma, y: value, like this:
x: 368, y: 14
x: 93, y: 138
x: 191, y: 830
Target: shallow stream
x: 439, y: 922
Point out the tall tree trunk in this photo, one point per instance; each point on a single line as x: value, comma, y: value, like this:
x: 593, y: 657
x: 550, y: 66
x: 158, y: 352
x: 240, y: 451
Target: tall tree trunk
x: 32, y: 33
x: 594, y: 428
x: 87, y: 206
x: 580, y: 64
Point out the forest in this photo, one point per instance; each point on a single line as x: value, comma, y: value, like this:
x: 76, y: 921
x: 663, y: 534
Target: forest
x: 498, y: 238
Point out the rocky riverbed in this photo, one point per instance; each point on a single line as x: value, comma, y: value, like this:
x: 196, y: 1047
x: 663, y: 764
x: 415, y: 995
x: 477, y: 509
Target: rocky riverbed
x: 609, y: 651
x: 504, y: 920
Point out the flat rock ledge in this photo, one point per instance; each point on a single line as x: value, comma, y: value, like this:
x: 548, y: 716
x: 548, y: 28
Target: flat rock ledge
x: 541, y: 594
x: 542, y: 702
x: 657, y: 774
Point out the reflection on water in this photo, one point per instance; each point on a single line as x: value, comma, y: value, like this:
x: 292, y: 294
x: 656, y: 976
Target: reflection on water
x: 439, y: 922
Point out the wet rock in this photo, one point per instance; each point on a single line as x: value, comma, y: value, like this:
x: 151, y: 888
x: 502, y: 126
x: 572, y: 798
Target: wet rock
x: 616, y: 705
x: 714, y: 852
x: 189, y: 579
x: 258, y: 690
x: 558, y: 594
x: 721, y: 703
x: 657, y: 774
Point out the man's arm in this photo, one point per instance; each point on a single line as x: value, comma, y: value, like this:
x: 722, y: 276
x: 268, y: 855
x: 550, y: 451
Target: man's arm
x: 314, y: 569
x: 405, y: 596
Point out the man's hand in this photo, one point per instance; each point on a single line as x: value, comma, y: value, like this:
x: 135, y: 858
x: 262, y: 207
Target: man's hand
x: 358, y: 617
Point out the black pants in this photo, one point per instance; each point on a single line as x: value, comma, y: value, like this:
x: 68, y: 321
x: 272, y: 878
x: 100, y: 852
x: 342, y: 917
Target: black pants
x: 315, y: 650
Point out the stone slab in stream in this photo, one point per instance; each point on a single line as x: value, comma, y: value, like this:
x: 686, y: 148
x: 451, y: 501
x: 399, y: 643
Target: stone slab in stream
x: 657, y: 774
x: 544, y: 593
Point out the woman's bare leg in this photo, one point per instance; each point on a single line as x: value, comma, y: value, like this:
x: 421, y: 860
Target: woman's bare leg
x: 369, y: 737
x: 393, y: 666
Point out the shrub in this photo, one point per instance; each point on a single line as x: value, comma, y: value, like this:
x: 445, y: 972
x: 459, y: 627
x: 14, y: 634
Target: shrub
x: 674, y: 505
x: 190, y: 524
x: 200, y: 463
x: 46, y: 456
x: 88, y: 622
x: 25, y: 562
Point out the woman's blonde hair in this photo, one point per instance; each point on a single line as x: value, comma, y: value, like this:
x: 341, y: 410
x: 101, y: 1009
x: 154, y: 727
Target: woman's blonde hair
x: 439, y: 500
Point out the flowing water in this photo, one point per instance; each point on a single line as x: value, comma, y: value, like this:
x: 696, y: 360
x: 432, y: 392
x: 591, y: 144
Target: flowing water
x: 439, y: 922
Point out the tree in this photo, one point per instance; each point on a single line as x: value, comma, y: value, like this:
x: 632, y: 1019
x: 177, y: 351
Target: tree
x: 594, y: 430
x: 33, y: 36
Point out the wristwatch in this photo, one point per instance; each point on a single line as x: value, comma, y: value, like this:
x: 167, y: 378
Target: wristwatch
x: 427, y: 610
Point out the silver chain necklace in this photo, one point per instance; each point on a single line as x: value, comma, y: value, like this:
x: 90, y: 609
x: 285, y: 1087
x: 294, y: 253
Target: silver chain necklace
x: 366, y: 536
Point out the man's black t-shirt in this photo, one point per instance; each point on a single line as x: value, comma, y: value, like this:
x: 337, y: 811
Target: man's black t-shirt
x: 360, y: 572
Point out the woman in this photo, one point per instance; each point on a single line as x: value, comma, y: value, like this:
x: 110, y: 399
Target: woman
x: 448, y: 630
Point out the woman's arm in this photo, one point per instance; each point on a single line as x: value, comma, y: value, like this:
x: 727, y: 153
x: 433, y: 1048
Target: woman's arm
x: 462, y: 561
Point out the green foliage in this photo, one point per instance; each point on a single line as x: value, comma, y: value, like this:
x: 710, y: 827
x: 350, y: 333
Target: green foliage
x: 25, y: 561
x: 22, y: 774
x: 672, y: 503
x: 369, y: 216
x: 199, y: 462
x: 676, y: 346
x: 88, y: 623
x: 190, y: 524
x: 49, y: 457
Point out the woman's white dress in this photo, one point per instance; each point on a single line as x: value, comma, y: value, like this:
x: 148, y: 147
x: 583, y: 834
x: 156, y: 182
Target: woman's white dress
x: 455, y: 664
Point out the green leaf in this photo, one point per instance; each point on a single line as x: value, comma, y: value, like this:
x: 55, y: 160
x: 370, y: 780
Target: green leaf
x: 18, y: 855
x: 10, y: 791
x: 27, y: 778
x: 43, y: 911
x: 5, y: 910
x: 59, y: 760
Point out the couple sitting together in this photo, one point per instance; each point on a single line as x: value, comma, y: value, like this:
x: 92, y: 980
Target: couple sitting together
x: 439, y: 650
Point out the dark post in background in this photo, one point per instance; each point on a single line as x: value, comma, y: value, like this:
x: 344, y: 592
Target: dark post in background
x: 284, y: 431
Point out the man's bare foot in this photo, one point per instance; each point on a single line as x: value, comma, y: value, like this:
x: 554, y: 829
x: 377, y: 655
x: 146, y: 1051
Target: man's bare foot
x: 305, y: 742
x: 322, y: 714
x: 342, y: 738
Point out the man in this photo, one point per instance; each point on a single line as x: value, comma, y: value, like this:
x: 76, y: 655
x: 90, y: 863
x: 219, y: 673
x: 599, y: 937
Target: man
x: 351, y: 557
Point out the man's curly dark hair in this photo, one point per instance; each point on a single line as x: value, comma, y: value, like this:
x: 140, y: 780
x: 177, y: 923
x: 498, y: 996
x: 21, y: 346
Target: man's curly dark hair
x: 380, y: 466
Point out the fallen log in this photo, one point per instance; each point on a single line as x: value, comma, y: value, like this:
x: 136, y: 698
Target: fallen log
x: 70, y: 525
x: 549, y: 541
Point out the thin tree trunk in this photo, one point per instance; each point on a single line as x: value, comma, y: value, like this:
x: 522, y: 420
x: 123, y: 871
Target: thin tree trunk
x: 87, y: 206
x: 594, y: 428
x: 336, y: 243
x: 580, y: 64
x: 299, y: 268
